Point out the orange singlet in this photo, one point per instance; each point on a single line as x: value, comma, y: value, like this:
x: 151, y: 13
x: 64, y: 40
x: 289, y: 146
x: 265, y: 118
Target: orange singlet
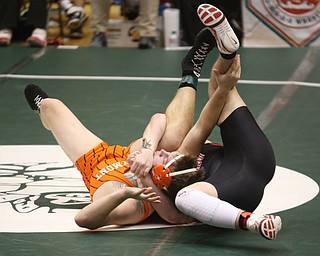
x: 106, y: 163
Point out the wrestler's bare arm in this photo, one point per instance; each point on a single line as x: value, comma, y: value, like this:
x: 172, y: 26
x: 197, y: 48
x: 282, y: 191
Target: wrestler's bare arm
x: 166, y: 208
x: 147, y: 145
x: 116, y: 208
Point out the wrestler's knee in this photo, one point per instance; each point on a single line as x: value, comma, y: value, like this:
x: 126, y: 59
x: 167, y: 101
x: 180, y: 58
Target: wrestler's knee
x: 48, y: 105
x: 173, y: 137
x: 170, y: 142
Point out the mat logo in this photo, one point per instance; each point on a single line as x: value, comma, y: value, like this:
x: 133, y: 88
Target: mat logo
x: 296, y: 21
x: 30, y: 187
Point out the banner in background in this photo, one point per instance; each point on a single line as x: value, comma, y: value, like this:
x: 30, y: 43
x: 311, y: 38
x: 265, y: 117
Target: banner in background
x: 297, y: 22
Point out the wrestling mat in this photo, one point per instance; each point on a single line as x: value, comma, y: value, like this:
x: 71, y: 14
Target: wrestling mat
x: 41, y: 191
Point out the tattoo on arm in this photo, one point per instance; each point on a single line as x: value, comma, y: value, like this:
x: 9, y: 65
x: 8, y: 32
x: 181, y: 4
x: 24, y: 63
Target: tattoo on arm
x: 118, y: 185
x: 140, y: 207
x: 146, y: 144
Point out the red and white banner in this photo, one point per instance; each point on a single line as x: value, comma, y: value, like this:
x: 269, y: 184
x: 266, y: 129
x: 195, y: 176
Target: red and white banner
x: 281, y: 23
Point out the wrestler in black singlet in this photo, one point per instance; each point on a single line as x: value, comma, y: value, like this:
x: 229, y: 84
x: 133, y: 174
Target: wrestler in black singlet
x: 244, y: 165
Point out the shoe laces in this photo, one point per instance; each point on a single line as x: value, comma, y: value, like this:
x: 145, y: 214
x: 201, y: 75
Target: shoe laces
x: 253, y: 222
x: 199, y: 57
x: 37, y: 100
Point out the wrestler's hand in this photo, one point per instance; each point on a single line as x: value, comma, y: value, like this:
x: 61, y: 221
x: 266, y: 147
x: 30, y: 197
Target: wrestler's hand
x: 229, y: 79
x: 145, y: 194
x: 132, y: 156
x: 140, y: 162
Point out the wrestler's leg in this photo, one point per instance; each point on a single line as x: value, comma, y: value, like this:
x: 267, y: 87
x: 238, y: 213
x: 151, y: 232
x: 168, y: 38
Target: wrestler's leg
x: 180, y: 112
x: 228, y: 45
x: 200, y: 202
x: 73, y: 137
x: 214, y: 213
x: 233, y: 102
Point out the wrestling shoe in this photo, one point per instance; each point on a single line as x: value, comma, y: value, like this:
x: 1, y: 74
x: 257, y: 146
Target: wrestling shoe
x: 34, y: 95
x: 192, y: 63
x: 215, y: 20
x: 5, y: 37
x: 267, y: 225
x: 76, y: 17
x: 38, y: 38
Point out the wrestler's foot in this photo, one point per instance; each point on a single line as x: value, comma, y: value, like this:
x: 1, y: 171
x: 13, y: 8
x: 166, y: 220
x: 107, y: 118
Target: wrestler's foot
x: 215, y: 20
x: 38, y: 38
x: 76, y: 17
x: 194, y: 60
x: 34, y: 95
x: 267, y: 225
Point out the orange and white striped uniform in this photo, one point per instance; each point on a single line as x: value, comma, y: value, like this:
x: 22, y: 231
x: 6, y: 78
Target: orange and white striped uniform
x: 106, y: 163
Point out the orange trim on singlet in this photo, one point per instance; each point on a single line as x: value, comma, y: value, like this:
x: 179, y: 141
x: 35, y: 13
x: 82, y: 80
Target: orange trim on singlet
x: 106, y: 163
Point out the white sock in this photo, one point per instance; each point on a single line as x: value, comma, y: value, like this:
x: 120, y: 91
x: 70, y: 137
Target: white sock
x: 207, y: 209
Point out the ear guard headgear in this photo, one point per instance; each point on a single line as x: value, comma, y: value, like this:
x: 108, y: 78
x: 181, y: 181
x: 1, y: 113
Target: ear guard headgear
x: 162, y: 176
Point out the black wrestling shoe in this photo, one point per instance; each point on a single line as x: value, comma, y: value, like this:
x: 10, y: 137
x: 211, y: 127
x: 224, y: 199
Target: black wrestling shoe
x: 34, y: 95
x: 194, y: 60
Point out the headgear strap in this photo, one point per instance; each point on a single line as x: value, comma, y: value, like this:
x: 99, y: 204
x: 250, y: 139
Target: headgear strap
x: 162, y: 176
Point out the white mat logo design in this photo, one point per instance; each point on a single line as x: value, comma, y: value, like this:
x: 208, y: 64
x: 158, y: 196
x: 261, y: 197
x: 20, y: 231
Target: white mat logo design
x: 23, y: 181
x: 40, y: 190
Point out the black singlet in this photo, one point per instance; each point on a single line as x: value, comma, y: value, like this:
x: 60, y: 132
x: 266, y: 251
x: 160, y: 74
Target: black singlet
x: 244, y: 165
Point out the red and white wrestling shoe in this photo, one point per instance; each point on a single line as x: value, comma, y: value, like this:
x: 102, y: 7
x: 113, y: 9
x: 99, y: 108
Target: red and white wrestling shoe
x: 219, y: 26
x: 5, y: 37
x: 38, y: 38
x: 267, y: 225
